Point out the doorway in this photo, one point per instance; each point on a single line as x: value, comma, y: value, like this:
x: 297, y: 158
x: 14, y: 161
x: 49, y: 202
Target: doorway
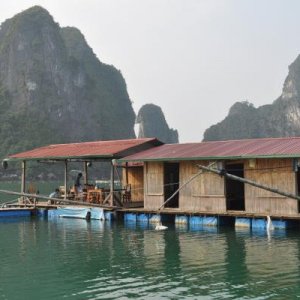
x: 171, y: 184
x: 235, y: 190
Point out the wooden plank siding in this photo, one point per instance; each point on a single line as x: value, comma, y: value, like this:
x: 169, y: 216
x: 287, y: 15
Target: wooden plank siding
x: 277, y: 173
x: 204, y: 193
x: 136, y: 180
x: 154, y: 185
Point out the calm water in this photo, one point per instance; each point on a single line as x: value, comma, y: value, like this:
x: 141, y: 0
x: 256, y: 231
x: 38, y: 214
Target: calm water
x: 75, y: 259
x: 44, y: 188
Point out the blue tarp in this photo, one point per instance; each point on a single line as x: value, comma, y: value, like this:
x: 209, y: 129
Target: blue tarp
x: 78, y: 212
x: 97, y: 213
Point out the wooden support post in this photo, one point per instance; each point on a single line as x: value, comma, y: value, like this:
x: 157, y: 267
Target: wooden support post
x: 126, y: 173
x: 66, y: 179
x: 112, y: 182
x: 85, y: 168
x: 23, y: 179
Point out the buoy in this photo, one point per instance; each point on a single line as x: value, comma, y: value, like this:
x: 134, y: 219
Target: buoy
x: 269, y: 224
x: 159, y: 226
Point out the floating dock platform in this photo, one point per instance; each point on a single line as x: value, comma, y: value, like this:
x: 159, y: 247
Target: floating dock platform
x: 16, y: 212
x: 45, y: 209
x: 237, y: 219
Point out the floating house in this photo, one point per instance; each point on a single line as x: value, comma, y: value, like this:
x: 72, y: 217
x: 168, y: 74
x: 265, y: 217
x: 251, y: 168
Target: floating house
x: 154, y: 171
x: 85, y: 153
x: 273, y: 162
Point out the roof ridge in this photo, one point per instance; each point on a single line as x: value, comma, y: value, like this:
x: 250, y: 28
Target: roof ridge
x: 105, y: 148
x: 259, y: 147
x: 240, y: 140
x: 99, y: 141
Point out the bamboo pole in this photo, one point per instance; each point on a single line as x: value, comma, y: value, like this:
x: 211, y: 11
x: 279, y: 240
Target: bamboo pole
x: 85, y: 168
x: 126, y: 173
x: 67, y: 201
x: 66, y: 179
x: 23, y: 180
x: 250, y: 182
x: 112, y: 183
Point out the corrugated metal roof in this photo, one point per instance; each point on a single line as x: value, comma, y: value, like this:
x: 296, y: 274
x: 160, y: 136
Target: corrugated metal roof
x: 233, y: 149
x: 97, y: 149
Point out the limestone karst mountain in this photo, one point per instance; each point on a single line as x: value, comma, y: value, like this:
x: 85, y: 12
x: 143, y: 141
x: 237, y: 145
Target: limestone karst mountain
x: 152, y: 123
x: 279, y: 119
x: 54, y: 89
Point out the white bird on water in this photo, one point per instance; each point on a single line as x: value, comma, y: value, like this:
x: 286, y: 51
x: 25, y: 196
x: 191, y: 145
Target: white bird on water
x: 159, y: 226
x: 269, y: 224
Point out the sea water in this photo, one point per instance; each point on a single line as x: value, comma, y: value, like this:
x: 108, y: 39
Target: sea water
x: 57, y: 258
x: 74, y: 259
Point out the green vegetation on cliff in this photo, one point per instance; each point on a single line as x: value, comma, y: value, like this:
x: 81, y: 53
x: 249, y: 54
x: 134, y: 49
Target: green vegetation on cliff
x: 53, y: 88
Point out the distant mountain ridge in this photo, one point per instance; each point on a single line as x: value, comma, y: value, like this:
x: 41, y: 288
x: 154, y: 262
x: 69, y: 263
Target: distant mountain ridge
x: 279, y: 119
x: 54, y: 89
x: 152, y: 123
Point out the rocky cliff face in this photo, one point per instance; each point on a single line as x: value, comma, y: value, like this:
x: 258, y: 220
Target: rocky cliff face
x: 152, y: 123
x: 54, y: 89
x: 281, y: 118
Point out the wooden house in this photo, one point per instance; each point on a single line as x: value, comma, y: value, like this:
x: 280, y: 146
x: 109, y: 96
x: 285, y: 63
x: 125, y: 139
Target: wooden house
x: 163, y: 169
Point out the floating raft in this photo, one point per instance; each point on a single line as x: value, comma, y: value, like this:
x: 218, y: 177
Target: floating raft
x: 15, y: 212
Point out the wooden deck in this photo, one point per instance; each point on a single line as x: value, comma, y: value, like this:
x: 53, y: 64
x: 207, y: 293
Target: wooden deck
x: 15, y: 208
x: 44, y: 205
x: 6, y: 212
x: 39, y: 204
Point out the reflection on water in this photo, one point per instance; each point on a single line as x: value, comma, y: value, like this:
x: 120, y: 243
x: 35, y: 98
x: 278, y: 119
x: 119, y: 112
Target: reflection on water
x: 154, y: 249
x: 68, y: 258
x: 278, y: 257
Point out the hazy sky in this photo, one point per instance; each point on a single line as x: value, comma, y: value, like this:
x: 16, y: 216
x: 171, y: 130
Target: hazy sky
x: 194, y: 58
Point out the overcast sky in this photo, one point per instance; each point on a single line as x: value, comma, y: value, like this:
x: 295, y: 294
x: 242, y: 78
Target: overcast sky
x: 194, y: 58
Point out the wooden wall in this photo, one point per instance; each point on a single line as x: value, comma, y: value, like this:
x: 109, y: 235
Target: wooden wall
x: 277, y: 173
x: 136, y: 179
x: 153, y: 185
x: 204, y: 193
